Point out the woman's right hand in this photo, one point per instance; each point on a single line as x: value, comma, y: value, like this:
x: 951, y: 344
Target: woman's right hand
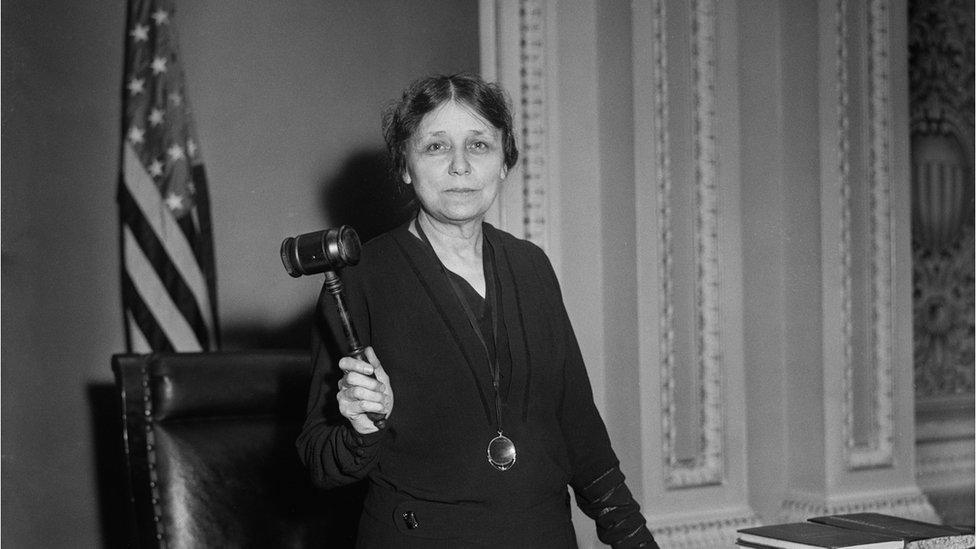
x: 360, y: 393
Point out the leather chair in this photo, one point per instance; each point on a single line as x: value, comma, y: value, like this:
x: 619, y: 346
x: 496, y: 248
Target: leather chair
x: 210, y: 456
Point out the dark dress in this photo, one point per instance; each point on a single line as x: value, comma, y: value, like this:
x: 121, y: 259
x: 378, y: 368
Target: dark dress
x: 430, y: 483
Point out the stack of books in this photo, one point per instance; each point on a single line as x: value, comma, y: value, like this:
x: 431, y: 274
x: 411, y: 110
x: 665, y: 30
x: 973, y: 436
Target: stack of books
x: 857, y: 531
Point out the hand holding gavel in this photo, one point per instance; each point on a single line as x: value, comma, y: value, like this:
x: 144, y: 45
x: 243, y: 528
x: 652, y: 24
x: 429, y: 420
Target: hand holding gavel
x: 364, y: 388
x: 364, y: 392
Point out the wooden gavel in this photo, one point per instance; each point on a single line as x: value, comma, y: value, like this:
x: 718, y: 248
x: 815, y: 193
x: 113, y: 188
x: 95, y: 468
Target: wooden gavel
x: 326, y: 252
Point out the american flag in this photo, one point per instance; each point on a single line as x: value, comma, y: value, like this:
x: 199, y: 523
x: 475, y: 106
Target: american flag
x: 168, y: 278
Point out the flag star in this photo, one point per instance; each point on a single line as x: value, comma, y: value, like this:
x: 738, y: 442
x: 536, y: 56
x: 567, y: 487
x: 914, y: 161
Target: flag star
x: 155, y: 168
x: 136, y: 135
x: 175, y: 152
x: 174, y: 201
x: 159, y: 65
x: 160, y: 16
x: 139, y: 33
x: 191, y: 187
x: 176, y: 99
x: 191, y: 147
x: 156, y: 117
x: 136, y: 86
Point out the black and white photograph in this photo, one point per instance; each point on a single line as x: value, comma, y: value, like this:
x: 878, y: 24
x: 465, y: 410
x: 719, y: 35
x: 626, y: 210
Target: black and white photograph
x: 438, y: 274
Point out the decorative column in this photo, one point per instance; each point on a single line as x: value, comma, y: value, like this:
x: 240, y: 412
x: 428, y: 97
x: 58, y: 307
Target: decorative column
x: 868, y: 420
x: 689, y: 272
x: 514, y: 42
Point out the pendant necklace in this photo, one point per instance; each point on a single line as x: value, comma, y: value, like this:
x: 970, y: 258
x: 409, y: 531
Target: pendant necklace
x: 501, y: 449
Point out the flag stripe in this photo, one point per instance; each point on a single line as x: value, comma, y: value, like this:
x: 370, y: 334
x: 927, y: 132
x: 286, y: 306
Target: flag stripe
x: 148, y: 336
x: 138, y: 343
x: 151, y: 289
x: 152, y: 248
x: 205, y: 252
x: 171, y: 236
x: 204, y: 249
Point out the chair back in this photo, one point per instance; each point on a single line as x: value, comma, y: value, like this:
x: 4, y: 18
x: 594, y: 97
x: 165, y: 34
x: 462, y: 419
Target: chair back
x: 209, y: 442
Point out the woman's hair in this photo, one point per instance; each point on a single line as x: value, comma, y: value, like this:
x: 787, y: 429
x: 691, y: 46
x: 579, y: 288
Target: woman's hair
x: 402, y: 119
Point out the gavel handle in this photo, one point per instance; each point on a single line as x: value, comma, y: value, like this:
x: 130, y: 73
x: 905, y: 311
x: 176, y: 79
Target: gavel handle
x: 333, y: 284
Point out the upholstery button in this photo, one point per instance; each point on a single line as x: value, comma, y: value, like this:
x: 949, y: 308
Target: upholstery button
x: 359, y: 440
x: 361, y: 452
x: 410, y: 520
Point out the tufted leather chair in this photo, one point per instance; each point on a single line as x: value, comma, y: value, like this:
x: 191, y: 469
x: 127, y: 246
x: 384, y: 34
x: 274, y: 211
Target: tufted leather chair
x: 210, y: 455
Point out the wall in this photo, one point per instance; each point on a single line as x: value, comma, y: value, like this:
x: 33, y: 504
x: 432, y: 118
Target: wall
x: 747, y: 229
x: 287, y: 100
x: 941, y: 67
x: 764, y: 225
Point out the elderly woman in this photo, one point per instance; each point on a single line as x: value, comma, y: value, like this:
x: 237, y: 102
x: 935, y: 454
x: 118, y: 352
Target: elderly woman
x: 489, y: 415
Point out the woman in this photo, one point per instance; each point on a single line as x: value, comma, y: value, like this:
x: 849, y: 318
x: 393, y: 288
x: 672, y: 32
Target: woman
x: 489, y: 412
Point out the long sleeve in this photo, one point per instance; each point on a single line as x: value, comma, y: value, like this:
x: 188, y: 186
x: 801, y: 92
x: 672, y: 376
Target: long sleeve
x: 619, y: 522
x: 333, y: 452
x: 599, y: 485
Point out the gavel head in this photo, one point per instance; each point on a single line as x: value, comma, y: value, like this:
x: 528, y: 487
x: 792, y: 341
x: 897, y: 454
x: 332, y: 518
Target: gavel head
x: 321, y: 251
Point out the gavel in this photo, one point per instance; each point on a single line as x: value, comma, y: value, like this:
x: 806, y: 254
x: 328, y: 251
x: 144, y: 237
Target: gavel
x: 326, y: 252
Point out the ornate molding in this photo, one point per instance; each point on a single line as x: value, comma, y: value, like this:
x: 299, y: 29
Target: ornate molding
x: 907, y: 503
x: 943, y: 310
x: 878, y: 451
x: 941, y: 68
x: 940, y: 44
x: 706, y: 468
x: 514, y: 52
x: 940, y: 459
x: 532, y: 16
x: 701, y: 533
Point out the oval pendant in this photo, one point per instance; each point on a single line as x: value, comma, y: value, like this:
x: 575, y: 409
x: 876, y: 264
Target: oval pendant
x: 501, y: 453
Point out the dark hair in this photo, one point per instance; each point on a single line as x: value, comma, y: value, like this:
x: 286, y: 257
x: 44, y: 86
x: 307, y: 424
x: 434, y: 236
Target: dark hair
x: 487, y: 99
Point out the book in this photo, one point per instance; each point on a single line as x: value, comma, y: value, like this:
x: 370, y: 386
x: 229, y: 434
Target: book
x: 741, y: 543
x: 916, y: 534
x: 813, y: 535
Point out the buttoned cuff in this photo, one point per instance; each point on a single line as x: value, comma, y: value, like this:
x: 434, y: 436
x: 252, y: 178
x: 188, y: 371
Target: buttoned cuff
x: 364, y: 448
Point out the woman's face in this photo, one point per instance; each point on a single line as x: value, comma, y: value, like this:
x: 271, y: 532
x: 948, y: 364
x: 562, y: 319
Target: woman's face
x: 455, y: 163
